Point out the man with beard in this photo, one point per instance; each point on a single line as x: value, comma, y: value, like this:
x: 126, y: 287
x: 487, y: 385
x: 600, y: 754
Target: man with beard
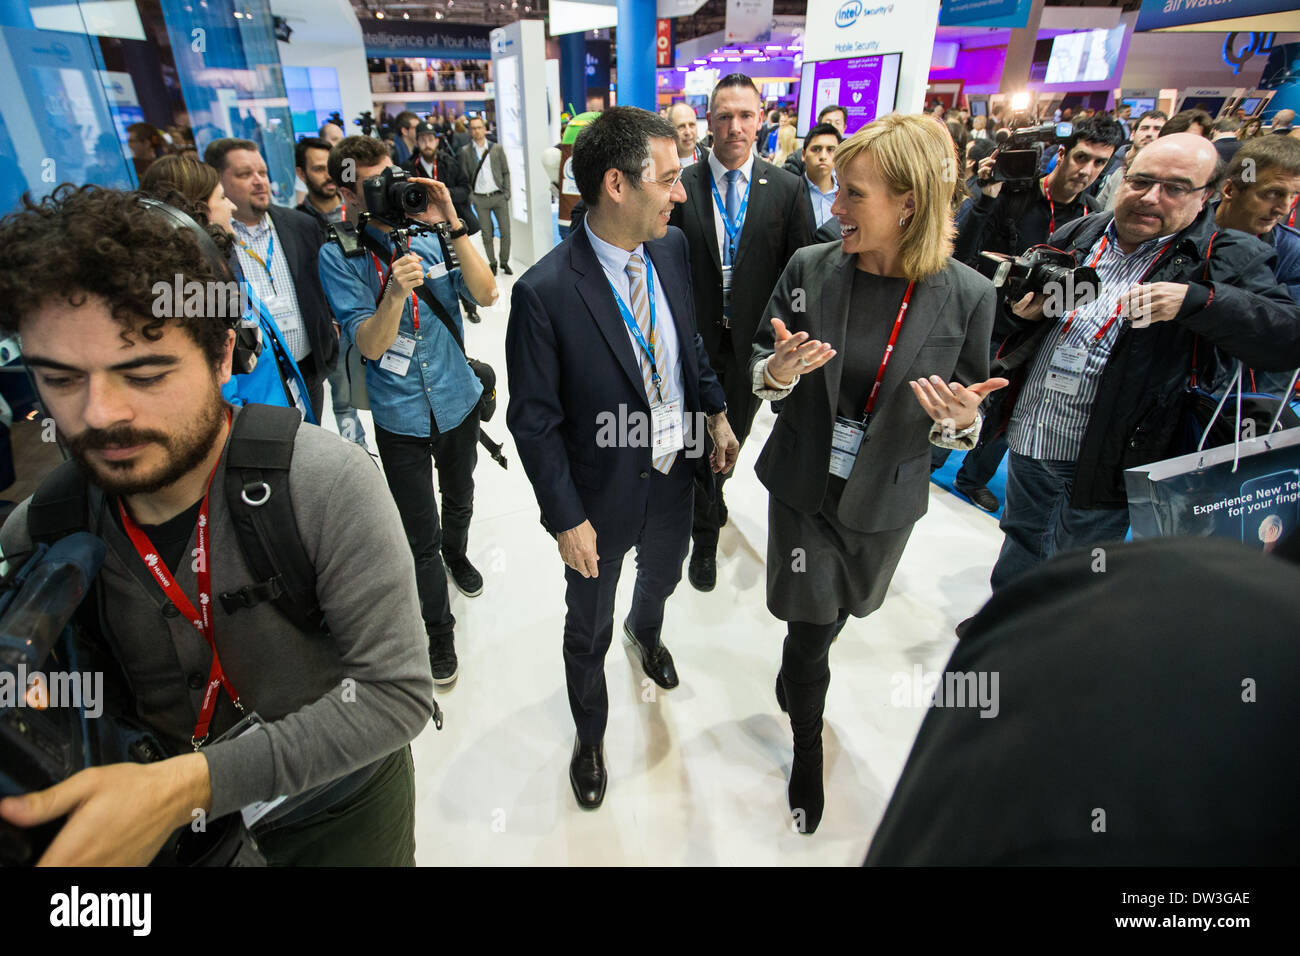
x: 277, y: 249
x: 326, y: 206
x: 137, y: 402
x: 1102, y: 390
x: 433, y: 160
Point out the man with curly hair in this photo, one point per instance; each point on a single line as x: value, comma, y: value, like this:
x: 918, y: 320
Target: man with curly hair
x: 136, y: 399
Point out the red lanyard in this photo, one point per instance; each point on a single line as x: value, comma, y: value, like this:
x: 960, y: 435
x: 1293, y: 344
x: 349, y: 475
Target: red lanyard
x: 415, y: 301
x: 889, y: 351
x: 202, y: 618
x: 1115, y: 315
x: 1051, y: 206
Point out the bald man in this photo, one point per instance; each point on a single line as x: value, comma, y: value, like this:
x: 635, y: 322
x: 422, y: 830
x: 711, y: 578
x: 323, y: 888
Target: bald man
x: 1101, y: 391
x: 686, y: 125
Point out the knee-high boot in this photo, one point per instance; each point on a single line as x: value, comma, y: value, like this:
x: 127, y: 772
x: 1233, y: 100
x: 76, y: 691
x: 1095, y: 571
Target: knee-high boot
x: 805, y: 703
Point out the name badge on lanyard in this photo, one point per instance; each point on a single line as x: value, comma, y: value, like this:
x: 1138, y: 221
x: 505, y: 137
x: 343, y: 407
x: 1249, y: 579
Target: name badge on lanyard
x: 1065, y: 371
x: 666, y: 427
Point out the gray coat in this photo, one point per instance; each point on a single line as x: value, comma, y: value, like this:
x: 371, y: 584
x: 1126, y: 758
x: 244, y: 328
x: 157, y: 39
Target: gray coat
x: 946, y: 332
x: 496, y: 155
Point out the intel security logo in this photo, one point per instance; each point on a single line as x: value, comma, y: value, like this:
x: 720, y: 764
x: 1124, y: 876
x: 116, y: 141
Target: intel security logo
x: 848, y: 13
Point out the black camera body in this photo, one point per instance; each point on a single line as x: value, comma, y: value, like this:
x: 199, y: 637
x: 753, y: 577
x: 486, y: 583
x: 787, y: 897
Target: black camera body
x: 1044, y: 271
x: 1019, y: 157
x: 392, y: 198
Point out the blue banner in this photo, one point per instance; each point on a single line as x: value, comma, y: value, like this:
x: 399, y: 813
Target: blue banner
x: 1002, y: 14
x: 386, y: 38
x: 1158, y: 14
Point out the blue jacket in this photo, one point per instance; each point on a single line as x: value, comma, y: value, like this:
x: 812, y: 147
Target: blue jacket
x: 269, y: 382
x: 1286, y: 241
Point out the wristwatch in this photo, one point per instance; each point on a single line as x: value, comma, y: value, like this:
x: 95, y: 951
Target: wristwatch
x: 457, y: 233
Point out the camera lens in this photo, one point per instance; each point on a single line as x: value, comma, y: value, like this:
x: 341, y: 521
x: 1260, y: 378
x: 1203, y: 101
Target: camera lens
x: 413, y: 198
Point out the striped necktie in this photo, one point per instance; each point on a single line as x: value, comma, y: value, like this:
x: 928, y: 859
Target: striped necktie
x: 641, y: 312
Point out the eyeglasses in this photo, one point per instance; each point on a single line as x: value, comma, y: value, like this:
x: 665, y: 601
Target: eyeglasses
x: 1175, y: 191
x: 671, y: 184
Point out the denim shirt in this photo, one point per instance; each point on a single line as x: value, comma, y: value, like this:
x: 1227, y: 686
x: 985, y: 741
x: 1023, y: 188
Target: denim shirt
x: 438, y: 380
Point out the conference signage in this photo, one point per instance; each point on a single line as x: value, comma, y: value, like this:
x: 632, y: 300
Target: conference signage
x: 385, y: 39
x: 1162, y: 14
x: 837, y: 29
x: 664, y: 43
x: 748, y: 21
x: 1003, y: 14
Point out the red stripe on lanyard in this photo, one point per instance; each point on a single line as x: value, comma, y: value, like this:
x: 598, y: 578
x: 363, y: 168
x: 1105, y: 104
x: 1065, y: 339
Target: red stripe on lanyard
x: 1115, y: 315
x: 889, y: 351
x: 415, y: 301
x: 202, y: 618
x: 1051, y: 226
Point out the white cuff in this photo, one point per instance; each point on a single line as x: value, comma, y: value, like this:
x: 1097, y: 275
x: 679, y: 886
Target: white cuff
x: 964, y: 440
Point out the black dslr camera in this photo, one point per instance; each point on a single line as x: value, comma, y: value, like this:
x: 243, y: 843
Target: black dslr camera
x: 1019, y: 157
x: 392, y: 198
x: 1042, y: 270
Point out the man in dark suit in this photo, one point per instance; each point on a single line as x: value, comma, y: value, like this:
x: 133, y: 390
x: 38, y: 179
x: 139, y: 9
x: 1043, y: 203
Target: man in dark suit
x: 744, y: 218
x: 488, y: 173
x: 609, y: 384
x: 278, y: 249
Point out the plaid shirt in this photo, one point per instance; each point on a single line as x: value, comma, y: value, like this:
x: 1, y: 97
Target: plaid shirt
x: 278, y: 284
x: 1049, y: 425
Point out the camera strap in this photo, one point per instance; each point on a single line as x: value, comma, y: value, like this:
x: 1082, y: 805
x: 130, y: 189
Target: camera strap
x: 1105, y: 241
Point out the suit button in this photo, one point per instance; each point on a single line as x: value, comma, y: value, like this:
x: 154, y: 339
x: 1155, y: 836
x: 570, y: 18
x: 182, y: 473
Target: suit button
x: 645, y: 474
x: 170, y: 610
x: 195, y: 681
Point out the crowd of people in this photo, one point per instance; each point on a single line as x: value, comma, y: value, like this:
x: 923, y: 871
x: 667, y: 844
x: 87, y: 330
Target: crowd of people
x: 841, y: 280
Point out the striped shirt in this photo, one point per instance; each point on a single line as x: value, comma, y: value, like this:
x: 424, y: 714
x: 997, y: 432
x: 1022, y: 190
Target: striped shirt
x: 1049, y: 425
x: 275, y: 289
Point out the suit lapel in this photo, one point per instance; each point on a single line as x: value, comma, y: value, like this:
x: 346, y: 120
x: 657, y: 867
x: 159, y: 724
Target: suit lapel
x: 676, y: 290
x: 701, y: 206
x: 928, y: 302
x: 833, y: 320
x: 599, y: 300
x: 757, y: 212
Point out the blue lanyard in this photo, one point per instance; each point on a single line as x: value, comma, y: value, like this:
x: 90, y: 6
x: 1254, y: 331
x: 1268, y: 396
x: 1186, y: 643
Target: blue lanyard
x: 733, y: 228
x: 270, y: 254
x: 630, y: 321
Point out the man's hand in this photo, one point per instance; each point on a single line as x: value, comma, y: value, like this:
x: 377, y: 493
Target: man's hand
x: 795, y: 355
x: 988, y: 185
x: 118, y: 815
x: 1030, y: 307
x: 578, y: 549
x: 440, y: 208
x: 726, y: 449
x: 408, y: 272
x: 952, y: 404
x: 1152, y: 302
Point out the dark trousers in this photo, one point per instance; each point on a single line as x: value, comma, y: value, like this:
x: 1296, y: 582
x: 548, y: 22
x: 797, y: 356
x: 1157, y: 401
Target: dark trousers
x: 406, y: 466
x: 742, y: 406
x: 376, y: 827
x: 589, y: 624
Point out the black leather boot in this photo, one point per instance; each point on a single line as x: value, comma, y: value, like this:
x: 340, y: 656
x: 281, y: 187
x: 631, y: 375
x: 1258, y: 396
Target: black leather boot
x: 805, y: 703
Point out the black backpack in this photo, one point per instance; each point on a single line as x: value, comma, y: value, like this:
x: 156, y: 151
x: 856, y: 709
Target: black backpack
x: 258, y: 457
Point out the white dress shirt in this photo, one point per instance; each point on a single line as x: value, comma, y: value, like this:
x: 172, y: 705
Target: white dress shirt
x: 485, y: 182
x: 719, y: 172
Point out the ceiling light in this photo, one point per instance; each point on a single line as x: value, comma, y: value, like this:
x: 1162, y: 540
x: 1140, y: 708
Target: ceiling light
x: 406, y: 16
x: 379, y: 14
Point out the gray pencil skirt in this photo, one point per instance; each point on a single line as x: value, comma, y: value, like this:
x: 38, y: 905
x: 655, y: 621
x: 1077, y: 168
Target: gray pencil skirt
x: 816, y: 566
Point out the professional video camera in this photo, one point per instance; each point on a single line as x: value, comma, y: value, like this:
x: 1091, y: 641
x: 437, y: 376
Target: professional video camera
x: 52, y: 724
x: 367, y: 123
x: 1019, y: 157
x: 1043, y: 270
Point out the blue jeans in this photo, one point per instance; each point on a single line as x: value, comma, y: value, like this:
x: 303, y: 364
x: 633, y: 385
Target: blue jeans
x: 349, y: 422
x: 1039, y: 522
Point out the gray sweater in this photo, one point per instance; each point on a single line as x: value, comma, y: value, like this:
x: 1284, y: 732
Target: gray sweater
x: 333, y: 705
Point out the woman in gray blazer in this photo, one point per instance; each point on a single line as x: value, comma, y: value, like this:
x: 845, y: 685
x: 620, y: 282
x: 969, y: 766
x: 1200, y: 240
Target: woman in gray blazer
x: 854, y: 327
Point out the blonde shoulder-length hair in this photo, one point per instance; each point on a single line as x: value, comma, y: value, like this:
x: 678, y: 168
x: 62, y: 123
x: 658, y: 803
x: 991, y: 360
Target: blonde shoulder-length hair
x: 912, y: 153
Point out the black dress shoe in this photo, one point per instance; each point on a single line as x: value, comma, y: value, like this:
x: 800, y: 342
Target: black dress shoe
x: 587, y: 774
x: 983, y: 498
x: 506, y: 269
x: 657, y: 664
x: 702, y: 572
x: 474, y: 317
x: 493, y: 267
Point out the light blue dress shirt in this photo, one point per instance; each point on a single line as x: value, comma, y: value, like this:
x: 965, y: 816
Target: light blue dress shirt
x: 438, y: 380
x: 822, y: 201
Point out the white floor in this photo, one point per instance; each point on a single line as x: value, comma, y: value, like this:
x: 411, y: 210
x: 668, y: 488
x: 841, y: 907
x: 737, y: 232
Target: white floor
x: 697, y: 775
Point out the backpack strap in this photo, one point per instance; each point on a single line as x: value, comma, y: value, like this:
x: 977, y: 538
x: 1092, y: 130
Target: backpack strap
x: 60, y: 505
x: 258, y: 459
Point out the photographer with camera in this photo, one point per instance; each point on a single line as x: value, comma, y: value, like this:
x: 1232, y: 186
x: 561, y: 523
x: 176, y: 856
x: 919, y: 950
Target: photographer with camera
x: 1145, y: 133
x: 158, y: 463
x: 396, y: 297
x: 1102, y: 385
x: 1011, y: 216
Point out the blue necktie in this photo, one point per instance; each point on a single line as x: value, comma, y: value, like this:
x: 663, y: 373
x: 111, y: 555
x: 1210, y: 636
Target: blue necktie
x: 733, y: 209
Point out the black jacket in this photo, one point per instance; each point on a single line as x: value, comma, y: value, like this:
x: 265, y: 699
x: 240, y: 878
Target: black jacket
x: 1234, y: 305
x: 451, y: 175
x: 1013, y: 221
x: 301, y: 238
